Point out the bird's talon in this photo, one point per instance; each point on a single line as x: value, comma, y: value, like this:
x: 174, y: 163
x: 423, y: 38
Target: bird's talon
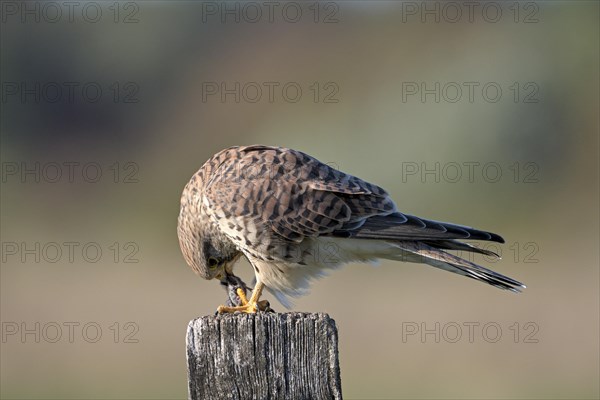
x: 251, y: 306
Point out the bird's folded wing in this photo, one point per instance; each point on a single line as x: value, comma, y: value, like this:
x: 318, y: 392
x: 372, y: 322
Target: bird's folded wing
x: 398, y: 226
x: 293, y: 195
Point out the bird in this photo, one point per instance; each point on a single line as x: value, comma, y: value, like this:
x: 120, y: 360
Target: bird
x: 295, y: 219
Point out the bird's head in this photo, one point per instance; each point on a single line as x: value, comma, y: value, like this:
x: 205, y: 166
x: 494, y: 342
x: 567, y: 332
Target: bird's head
x: 216, y: 260
x: 210, y: 256
x: 205, y: 249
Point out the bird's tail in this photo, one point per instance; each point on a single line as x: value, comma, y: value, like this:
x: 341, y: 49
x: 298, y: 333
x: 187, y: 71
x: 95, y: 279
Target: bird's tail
x: 431, y: 254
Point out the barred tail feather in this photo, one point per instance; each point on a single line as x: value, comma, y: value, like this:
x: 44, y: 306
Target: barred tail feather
x: 422, y: 252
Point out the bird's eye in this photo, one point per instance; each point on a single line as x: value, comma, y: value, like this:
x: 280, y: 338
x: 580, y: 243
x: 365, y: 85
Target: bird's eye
x: 213, y: 262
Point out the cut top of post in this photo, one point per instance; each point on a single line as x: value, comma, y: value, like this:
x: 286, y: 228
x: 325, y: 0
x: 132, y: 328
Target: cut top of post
x: 263, y: 356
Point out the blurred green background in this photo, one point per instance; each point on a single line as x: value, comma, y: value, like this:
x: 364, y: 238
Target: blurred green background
x: 130, y: 93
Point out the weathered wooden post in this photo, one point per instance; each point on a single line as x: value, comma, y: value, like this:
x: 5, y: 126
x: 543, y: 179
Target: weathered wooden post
x: 263, y: 356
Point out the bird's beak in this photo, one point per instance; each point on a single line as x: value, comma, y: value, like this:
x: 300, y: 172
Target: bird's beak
x: 223, y: 276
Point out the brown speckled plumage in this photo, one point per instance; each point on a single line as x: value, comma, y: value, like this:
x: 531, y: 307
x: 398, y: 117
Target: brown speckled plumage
x: 294, y: 217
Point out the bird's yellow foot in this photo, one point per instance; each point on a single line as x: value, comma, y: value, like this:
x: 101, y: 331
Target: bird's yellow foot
x: 248, y: 306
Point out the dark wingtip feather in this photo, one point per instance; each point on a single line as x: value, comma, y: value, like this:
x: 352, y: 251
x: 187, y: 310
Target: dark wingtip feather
x: 460, y: 246
x: 414, y: 221
x: 476, y: 234
x: 496, y: 238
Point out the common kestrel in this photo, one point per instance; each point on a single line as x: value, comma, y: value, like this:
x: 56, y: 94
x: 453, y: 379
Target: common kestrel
x: 294, y: 218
